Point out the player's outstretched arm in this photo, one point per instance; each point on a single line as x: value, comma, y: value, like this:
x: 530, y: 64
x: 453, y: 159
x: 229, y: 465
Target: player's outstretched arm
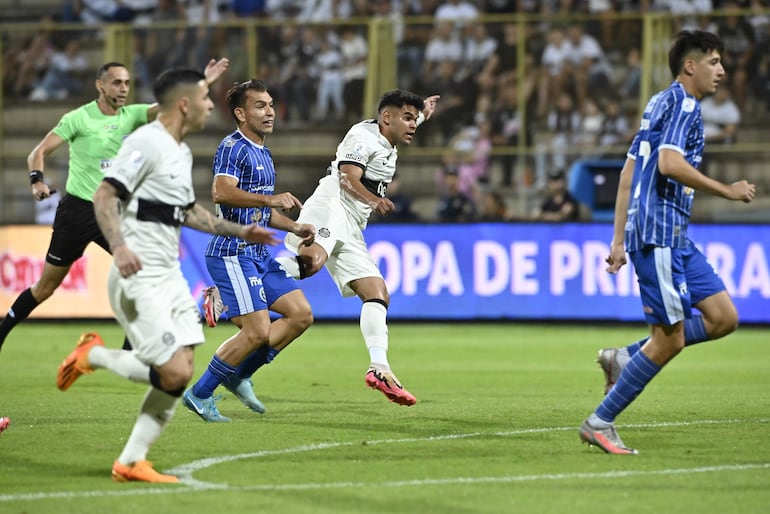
x: 304, y: 230
x: 430, y: 106
x: 215, y: 69
x: 200, y: 219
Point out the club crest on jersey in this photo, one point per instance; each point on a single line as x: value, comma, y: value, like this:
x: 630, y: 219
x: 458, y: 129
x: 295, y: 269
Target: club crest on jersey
x: 323, y: 232
x: 168, y: 339
x: 688, y: 105
x: 229, y: 142
x: 257, y: 216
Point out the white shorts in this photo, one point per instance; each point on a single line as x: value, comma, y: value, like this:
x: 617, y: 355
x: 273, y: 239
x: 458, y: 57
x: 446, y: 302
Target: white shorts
x: 158, y: 314
x: 342, y: 239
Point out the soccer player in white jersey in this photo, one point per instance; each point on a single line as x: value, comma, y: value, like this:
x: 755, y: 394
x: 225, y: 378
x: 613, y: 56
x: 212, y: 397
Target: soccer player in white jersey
x: 652, y: 212
x: 249, y: 279
x: 340, y: 208
x: 144, y: 199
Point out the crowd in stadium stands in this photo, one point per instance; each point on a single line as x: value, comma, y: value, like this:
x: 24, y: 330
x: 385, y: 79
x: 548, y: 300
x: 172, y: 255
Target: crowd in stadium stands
x: 580, y: 92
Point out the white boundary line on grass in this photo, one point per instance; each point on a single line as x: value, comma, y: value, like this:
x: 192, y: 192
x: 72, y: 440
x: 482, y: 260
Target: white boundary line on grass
x: 185, y: 471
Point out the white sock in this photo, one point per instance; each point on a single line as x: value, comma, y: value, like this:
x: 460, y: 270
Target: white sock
x: 597, y: 422
x: 156, y: 411
x: 622, y: 357
x: 291, y: 266
x: 374, y: 328
x: 120, y: 362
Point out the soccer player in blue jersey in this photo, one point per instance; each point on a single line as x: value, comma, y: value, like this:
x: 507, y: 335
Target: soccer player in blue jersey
x: 652, y: 212
x: 250, y: 281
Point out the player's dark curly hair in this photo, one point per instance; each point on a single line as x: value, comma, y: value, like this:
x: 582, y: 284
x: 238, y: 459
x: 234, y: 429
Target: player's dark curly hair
x: 688, y: 41
x: 400, y: 98
x: 236, y: 95
x: 173, y: 77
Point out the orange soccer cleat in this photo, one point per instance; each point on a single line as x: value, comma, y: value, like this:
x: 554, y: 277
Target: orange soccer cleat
x: 76, y: 363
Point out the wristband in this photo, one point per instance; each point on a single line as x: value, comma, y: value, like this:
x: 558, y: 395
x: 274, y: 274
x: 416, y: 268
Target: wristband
x: 35, y: 176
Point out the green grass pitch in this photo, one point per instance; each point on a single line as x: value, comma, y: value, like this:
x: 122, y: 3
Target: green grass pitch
x: 494, y: 429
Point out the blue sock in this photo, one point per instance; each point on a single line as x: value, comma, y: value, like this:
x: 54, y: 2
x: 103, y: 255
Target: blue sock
x: 635, y: 347
x: 694, y: 331
x: 632, y: 380
x: 258, y: 358
x: 214, y: 375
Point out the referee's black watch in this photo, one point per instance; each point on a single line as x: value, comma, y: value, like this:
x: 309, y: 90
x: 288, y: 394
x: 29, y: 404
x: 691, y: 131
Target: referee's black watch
x: 35, y: 176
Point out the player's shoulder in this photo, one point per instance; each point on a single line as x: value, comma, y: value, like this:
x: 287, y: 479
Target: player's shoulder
x: 364, y: 132
x: 232, y: 141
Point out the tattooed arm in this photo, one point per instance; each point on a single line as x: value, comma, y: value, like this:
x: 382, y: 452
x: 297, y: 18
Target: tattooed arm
x: 200, y: 219
x: 107, y: 207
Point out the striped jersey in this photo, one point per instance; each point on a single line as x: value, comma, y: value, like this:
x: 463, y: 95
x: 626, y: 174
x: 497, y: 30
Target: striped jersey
x: 659, y: 209
x: 252, y: 164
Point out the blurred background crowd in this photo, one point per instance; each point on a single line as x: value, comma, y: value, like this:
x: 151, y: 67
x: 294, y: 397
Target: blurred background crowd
x: 528, y: 88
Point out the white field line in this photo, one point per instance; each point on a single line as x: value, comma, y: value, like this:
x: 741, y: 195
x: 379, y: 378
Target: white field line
x: 190, y: 484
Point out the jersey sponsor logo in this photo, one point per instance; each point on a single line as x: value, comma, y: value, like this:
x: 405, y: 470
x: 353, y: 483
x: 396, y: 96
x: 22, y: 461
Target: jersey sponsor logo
x: 104, y: 164
x: 324, y: 232
x: 688, y: 105
x: 355, y: 157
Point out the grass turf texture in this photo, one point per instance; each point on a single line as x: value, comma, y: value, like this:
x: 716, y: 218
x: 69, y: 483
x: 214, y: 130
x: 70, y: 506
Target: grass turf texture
x: 494, y: 429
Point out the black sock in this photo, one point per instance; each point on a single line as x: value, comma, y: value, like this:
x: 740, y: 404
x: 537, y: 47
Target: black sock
x: 21, y: 308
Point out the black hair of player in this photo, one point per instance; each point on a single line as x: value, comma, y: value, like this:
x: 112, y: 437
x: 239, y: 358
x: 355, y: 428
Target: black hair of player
x: 104, y: 68
x: 236, y: 95
x: 687, y: 41
x: 399, y: 98
x: 171, y: 78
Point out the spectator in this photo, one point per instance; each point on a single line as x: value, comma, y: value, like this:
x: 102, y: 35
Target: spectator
x: 559, y: 204
x: 506, y: 128
x: 738, y: 58
x: 324, y: 11
x: 331, y: 82
x: 202, y: 38
x: 494, y: 208
x: 629, y: 89
x: 453, y: 205
x: 720, y: 116
x: 31, y: 63
x: 457, y: 12
x: 563, y: 123
x: 615, y: 129
x: 554, y: 69
x: 444, y: 46
x: 64, y: 76
x: 355, y: 51
x: 591, y: 121
x: 249, y: 8
x: 478, y: 48
x: 472, y: 147
x: 589, y: 66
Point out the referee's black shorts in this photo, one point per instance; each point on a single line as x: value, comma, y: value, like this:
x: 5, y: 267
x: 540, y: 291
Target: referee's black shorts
x: 73, y: 228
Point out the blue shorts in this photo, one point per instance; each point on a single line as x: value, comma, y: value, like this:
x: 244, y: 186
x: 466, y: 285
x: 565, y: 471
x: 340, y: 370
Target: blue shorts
x: 672, y: 280
x: 247, y: 284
